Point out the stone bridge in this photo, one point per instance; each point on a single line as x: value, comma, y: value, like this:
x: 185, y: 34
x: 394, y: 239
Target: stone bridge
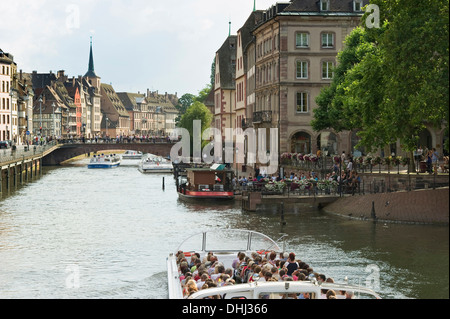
x: 65, y: 152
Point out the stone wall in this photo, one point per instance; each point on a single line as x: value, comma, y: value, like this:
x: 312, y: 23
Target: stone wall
x: 426, y: 206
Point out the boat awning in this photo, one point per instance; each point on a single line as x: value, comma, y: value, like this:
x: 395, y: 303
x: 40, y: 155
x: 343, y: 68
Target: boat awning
x: 218, y: 167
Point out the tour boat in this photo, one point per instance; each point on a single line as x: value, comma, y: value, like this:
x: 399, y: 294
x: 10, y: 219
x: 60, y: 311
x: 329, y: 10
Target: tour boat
x: 155, y: 164
x: 225, y: 245
x: 102, y: 161
x: 213, y: 183
x: 132, y: 155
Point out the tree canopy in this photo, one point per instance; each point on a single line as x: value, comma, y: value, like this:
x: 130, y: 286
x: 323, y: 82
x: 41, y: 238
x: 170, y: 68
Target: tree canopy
x: 391, y: 81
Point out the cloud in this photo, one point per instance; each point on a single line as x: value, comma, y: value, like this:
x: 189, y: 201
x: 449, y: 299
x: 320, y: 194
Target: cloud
x: 168, y: 45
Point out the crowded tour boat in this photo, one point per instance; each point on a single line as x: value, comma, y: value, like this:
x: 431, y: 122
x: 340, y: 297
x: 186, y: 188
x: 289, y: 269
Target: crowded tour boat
x: 213, y: 183
x: 242, y: 264
x: 132, y: 155
x: 104, y: 161
x: 155, y: 164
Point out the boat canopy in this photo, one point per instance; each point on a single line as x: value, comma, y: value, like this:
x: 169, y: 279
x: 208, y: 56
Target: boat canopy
x: 235, y: 240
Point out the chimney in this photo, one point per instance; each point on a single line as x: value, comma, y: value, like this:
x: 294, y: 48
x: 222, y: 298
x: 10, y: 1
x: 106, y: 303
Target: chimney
x: 20, y: 76
x: 148, y: 92
x: 60, y: 73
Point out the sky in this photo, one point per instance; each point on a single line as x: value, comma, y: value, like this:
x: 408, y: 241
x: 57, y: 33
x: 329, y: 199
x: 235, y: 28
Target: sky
x: 166, y: 45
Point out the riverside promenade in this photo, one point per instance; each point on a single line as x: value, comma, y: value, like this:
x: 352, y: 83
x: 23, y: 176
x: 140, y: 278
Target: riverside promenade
x: 385, y: 194
x: 21, y: 164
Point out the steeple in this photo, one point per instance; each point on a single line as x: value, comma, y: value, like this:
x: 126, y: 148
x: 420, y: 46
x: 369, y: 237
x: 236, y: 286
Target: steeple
x: 91, y: 73
x: 254, y: 5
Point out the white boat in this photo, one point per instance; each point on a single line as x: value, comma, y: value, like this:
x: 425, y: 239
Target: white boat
x: 155, y: 164
x: 102, y: 161
x: 251, y: 243
x: 132, y: 155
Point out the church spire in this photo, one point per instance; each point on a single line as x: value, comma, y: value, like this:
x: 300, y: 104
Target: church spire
x: 254, y: 5
x: 91, y: 72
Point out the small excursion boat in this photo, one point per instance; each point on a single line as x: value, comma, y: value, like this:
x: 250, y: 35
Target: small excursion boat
x: 132, y: 155
x: 155, y: 164
x: 212, y: 183
x: 211, y: 243
x: 102, y: 161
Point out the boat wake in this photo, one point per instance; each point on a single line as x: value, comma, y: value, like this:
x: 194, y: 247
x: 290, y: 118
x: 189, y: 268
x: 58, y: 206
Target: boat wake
x: 147, y: 288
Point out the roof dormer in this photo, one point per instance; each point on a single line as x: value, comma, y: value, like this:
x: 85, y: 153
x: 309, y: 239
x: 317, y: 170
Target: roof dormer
x: 324, y: 5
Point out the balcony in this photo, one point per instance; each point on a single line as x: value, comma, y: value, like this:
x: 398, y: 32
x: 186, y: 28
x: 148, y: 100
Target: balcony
x: 262, y: 117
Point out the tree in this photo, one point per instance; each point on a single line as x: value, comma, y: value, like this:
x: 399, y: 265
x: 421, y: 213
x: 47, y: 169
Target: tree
x: 197, y: 111
x: 184, y: 103
x: 203, y: 94
x: 391, y: 81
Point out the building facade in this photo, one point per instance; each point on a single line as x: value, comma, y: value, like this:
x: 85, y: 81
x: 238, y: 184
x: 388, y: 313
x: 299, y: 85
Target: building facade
x: 225, y: 86
x: 115, y: 120
x: 296, y: 50
x: 8, y: 100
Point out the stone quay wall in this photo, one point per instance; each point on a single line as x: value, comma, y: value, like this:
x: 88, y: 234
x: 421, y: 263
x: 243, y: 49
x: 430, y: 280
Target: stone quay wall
x: 427, y: 206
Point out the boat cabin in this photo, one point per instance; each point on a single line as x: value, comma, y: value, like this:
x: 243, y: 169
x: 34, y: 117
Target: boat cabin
x: 214, y: 179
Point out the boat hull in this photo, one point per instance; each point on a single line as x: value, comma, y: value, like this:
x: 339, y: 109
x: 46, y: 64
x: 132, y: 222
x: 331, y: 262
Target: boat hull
x: 130, y: 157
x: 103, y: 166
x: 155, y: 170
x: 204, y: 196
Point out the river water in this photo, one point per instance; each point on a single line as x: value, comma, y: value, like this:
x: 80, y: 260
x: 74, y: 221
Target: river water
x: 94, y: 234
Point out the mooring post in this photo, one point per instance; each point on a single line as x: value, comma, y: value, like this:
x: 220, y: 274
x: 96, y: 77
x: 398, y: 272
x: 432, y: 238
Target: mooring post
x: 163, y: 184
x: 373, y: 214
x: 283, y: 222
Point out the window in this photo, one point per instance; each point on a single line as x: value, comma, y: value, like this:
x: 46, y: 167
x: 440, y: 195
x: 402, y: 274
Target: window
x: 302, y: 102
x: 324, y: 5
x: 357, y: 5
x: 302, y: 40
x: 327, y: 70
x: 302, y: 70
x: 327, y: 40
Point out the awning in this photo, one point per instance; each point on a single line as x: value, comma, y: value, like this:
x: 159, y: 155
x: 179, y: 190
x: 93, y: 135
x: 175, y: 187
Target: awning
x: 218, y: 167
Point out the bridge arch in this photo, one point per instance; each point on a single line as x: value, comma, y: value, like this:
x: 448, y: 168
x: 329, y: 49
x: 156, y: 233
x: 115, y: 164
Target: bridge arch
x: 65, y: 152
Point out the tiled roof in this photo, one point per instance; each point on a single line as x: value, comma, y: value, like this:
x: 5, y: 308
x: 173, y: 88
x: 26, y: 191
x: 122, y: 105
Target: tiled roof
x: 314, y: 6
x: 227, y: 53
x: 114, y: 99
x: 129, y: 99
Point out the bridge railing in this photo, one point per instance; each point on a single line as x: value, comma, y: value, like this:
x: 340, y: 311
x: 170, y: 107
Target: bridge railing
x: 17, y: 153
x: 143, y: 140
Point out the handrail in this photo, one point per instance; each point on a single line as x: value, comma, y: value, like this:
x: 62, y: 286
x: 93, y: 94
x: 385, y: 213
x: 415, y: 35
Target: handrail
x: 249, y: 239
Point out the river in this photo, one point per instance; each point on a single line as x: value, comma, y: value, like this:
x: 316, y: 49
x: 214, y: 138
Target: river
x: 93, y: 234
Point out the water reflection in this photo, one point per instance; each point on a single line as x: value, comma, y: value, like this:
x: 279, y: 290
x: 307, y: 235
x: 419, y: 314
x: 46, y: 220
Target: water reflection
x: 119, y: 226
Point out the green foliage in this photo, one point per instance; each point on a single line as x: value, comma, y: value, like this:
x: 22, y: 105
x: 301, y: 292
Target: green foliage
x: 184, y: 103
x: 391, y: 81
x: 197, y: 111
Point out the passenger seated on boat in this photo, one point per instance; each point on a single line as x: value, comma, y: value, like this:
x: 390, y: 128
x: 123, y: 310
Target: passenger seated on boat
x: 291, y: 264
x: 190, y: 288
x: 204, y: 277
x: 219, y: 269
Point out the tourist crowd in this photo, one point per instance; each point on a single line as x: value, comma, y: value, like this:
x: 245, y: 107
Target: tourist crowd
x: 198, y: 273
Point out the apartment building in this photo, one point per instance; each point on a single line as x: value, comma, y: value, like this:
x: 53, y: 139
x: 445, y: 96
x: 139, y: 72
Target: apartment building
x: 8, y: 101
x: 296, y: 49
